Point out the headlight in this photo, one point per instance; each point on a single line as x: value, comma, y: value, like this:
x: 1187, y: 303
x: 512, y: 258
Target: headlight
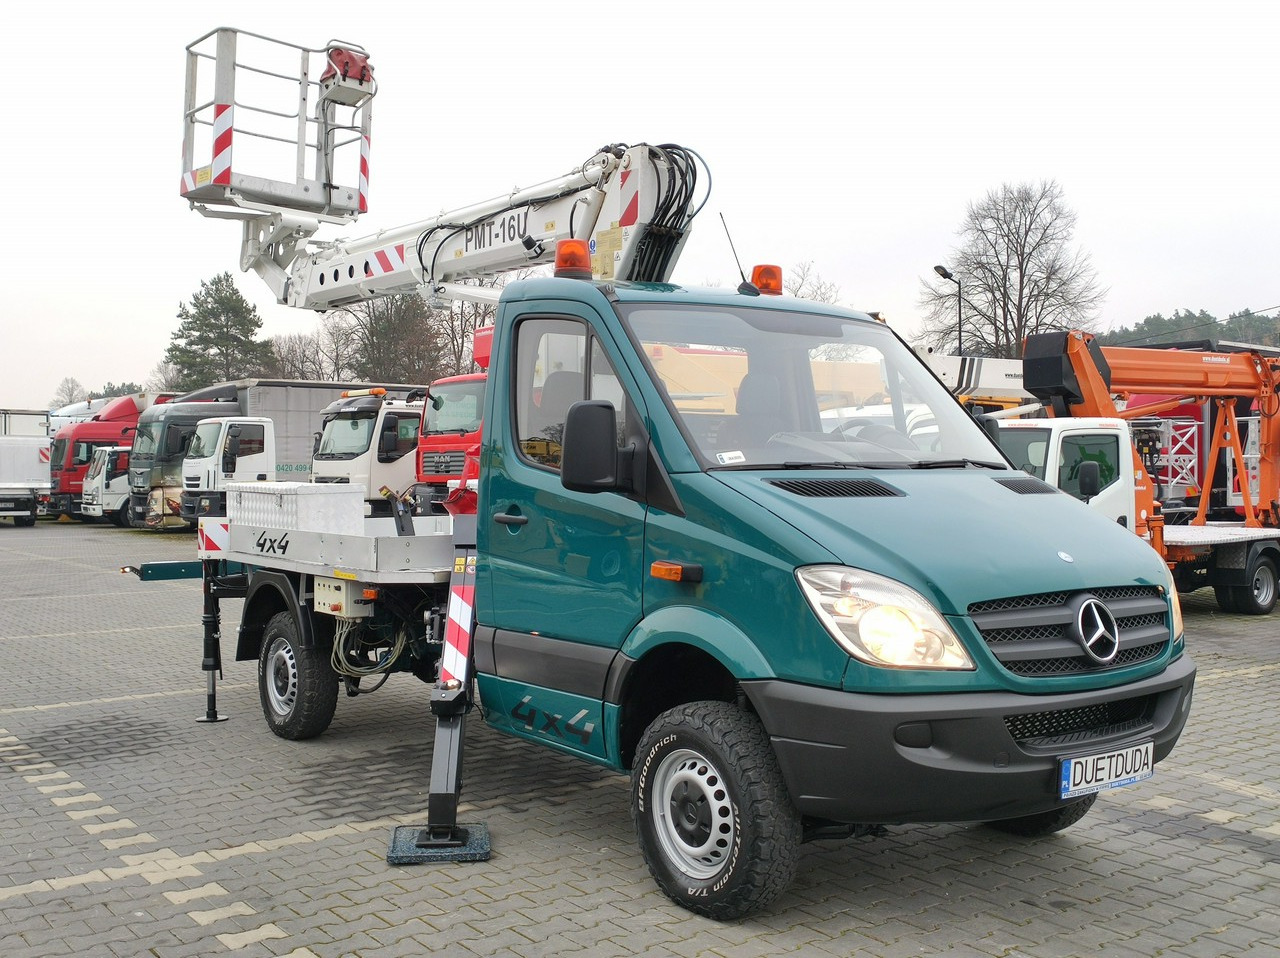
x: 1176, y: 605
x: 879, y: 621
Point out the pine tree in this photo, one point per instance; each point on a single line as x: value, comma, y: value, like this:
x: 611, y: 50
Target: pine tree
x: 216, y: 339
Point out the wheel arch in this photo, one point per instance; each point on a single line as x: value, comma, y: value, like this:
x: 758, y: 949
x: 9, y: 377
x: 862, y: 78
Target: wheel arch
x: 675, y: 657
x: 271, y: 592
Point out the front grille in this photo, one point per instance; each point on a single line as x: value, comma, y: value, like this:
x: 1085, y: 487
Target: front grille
x: 1073, y: 726
x: 442, y: 463
x: 189, y: 482
x: 1034, y: 635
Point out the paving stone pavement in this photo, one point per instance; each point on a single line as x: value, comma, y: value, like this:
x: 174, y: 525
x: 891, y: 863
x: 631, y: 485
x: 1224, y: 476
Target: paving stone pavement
x: 130, y: 829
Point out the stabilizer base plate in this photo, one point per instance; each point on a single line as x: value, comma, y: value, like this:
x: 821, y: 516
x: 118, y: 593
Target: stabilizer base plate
x: 412, y: 845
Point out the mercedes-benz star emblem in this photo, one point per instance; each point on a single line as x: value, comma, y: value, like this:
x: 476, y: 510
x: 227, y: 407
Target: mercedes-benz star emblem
x: 1097, y: 631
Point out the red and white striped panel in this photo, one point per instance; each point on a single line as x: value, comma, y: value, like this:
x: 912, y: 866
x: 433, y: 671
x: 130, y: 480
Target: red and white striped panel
x: 364, y: 173
x: 213, y: 538
x: 457, y: 630
x: 222, y: 130
x: 629, y: 188
x: 385, y: 261
x: 44, y: 455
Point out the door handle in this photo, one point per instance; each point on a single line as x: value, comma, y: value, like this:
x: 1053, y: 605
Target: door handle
x: 507, y: 519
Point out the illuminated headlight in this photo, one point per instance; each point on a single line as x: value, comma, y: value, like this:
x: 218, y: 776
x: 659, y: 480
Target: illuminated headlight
x: 879, y: 621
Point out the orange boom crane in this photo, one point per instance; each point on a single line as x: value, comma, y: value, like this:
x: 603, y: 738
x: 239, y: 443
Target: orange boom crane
x: 1074, y: 376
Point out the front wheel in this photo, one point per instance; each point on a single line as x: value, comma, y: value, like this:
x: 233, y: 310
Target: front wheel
x: 715, y: 823
x: 297, y: 686
x: 1259, y: 596
x: 1046, y: 823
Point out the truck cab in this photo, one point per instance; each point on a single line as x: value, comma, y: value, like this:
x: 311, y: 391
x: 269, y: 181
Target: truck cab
x: 864, y: 592
x: 1059, y: 452
x: 155, y: 461
x: 225, y: 449
x: 106, y: 486
x: 451, y: 418
x: 370, y: 440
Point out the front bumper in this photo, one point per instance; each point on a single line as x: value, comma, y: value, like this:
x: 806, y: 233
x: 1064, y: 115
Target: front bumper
x: 853, y: 757
x: 64, y: 504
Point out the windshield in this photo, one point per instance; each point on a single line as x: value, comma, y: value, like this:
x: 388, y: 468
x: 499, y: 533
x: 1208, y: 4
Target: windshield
x: 1026, y: 448
x: 205, y: 442
x: 95, y: 467
x: 757, y: 388
x: 144, y: 440
x: 59, y: 454
x: 454, y: 408
x: 346, y: 436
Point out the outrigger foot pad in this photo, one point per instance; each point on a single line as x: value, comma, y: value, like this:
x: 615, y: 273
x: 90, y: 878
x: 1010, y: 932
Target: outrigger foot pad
x: 418, y: 844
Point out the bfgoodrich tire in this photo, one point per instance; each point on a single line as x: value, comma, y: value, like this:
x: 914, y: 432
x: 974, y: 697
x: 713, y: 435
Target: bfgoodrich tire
x: 1046, y: 823
x: 297, y: 686
x: 716, y: 825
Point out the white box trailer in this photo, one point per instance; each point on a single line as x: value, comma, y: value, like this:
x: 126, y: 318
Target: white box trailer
x: 24, y: 422
x: 274, y: 423
x: 24, y: 477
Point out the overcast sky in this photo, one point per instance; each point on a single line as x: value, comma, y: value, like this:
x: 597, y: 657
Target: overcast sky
x: 852, y: 135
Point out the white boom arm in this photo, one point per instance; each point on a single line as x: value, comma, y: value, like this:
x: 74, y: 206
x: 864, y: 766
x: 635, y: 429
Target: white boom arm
x: 633, y: 204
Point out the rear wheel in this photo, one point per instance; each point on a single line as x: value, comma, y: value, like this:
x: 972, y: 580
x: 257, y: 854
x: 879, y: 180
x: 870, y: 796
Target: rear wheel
x: 297, y: 686
x: 1046, y: 823
x: 24, y: 520
x: 1259, y: 596
x: 715, y: 823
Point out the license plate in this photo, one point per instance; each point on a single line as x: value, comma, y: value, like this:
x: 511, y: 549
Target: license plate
x: 8, y: 505
x: 1094, y: 773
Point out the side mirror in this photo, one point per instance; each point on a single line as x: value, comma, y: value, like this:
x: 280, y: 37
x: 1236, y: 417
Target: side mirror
x: 1090, y: 480
x: 991, y: 426
x: 590, y: 460
x: 315, y: 444
x: 387, y: 441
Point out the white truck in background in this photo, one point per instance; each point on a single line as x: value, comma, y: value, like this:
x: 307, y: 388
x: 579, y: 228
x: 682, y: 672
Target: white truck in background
x: 1058, y: 450
x: 258, y: 430
x: 24, y: 477
x: 106, y: 486
x: 370, y: 439
x: 24, y: 422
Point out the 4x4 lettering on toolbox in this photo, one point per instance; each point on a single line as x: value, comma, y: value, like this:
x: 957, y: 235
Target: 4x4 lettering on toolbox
x: 528, y: 714
x: 270, y: 546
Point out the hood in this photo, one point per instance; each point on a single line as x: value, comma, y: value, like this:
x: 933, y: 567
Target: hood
x: 957, y: 536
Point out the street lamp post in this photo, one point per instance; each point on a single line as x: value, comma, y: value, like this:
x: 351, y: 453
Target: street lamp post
x: 946, y: 274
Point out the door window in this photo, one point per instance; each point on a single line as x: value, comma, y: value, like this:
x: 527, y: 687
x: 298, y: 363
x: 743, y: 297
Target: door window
x: 557, y: 364
x: 1076, y: 450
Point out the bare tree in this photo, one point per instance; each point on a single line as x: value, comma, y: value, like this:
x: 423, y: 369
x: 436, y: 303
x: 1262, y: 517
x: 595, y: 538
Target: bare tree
x: 164, y: 377
x: 1014, y: 273
x: 804, y: 282
x: 68, y: 392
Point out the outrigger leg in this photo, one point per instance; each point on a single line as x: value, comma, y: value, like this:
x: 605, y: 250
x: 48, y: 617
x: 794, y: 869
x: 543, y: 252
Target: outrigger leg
x: 443, y: 839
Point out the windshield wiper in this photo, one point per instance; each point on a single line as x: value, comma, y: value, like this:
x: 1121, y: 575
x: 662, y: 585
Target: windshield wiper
x: 957, y: 464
